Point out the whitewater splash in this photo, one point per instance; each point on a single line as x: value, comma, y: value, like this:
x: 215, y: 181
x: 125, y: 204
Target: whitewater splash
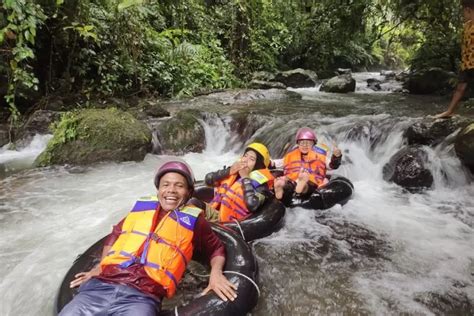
x: 15, y: 160
x: 385, y: 252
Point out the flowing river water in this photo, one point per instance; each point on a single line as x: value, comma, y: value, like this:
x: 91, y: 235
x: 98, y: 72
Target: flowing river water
x: 386, y: 251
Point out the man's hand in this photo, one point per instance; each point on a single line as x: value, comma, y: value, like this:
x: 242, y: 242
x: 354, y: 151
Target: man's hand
x: 84, y: 276
x: 219, y: 283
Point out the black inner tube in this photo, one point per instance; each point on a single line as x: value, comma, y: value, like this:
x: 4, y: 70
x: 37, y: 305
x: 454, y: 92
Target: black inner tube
x: 240, y: 259
x: 264, y: 222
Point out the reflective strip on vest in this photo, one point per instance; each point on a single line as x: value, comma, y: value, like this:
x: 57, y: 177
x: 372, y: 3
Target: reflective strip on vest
x: 164, y: 251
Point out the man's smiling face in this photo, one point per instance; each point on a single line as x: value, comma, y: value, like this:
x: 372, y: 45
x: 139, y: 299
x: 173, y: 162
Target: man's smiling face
x: 173, y: 191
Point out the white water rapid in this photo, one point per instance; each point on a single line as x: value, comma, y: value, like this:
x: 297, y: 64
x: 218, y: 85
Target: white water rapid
x: 415, y: 252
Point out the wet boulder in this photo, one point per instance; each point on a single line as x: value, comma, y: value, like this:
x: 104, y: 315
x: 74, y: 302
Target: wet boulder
x: 153, y: 109
x: 245, y: 125
x: 38, y: 123
x: 263, y: 76
x: 181, y: 134
x: 96, y: 135
x: 260, y: 84
x: 388, y: 74
x: 297, y: 78
x: 464, y: 146
x: 343, y: 71
x: 430, y: 132
x: 374, y: 84
x: 148, y: 109
x: 430, y: 81
x: 339, y: 84
x: 407, y: 168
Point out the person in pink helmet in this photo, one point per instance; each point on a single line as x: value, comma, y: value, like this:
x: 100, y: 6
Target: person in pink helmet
x: 304, y: 167
x: 146, y: 254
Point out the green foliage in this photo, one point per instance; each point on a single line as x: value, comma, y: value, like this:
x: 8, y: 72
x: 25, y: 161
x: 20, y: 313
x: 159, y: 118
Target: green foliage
x: 18, y: 29
x: 65, y: 130
x: 179, y: 48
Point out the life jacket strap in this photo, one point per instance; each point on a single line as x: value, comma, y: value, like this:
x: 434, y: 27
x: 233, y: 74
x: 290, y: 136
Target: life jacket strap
x: 167, y: 273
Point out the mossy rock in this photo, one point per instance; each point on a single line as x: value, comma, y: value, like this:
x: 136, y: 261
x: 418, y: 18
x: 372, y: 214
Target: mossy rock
x: 182, y: 133
x: 95, y: 135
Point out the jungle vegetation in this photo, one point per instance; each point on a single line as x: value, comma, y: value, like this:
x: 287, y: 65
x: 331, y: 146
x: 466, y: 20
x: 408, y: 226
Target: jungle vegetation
x: 175, y: 48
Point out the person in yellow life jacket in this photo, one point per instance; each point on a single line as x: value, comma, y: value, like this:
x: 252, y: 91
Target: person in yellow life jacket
x: 466, y: 75
x: 242, y: 188
x: 146, y: 254
x: 304, y: 167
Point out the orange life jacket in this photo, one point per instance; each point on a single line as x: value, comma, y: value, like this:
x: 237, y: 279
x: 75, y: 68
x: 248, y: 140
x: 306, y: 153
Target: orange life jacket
x: 314, y: 163
x: 229, y: 196
x: 165, y: 251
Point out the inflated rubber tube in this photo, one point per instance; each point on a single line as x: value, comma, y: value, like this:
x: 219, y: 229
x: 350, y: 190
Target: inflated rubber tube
x: 239, y: 258
x: 337, y: 191
x: 264, y: 222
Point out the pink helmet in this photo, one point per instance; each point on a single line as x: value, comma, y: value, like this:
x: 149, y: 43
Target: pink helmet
x: 305, y: 133
x: 175, y: 166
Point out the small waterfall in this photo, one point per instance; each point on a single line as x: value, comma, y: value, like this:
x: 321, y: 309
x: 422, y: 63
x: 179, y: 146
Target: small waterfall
x: 219, y: 137
x: 15, y: 160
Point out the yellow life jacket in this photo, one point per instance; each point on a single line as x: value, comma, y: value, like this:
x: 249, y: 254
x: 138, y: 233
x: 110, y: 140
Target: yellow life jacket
x: 165, y: 251
x: 314, y: 163
x: 229, y: 196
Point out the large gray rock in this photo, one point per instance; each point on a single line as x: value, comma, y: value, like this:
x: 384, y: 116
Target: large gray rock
x: 260, y: 84
x: 263, y: 76
x: 430, y: 81
x: 374, y: 84
x: 388, y: 74
x: 297, y: 78
x: 464, y: 146
x: 339, y: 84
x: 181, y: 134
x: 430, y: 132
x: 96, y: 135
x: 407, y: 168
x: 343, y: 71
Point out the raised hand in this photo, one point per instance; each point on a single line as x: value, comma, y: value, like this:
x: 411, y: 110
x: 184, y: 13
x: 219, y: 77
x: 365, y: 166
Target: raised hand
x: 237, y: 166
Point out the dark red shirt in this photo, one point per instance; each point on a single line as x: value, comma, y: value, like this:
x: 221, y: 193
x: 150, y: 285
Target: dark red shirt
x: 205, y: 242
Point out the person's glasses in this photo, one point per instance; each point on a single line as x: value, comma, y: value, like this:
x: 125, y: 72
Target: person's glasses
x: 306, y: 143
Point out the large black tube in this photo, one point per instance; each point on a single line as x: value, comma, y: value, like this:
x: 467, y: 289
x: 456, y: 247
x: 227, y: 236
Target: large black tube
x: 337, y: 191
x: 264, y: 222
x: 239, y: 258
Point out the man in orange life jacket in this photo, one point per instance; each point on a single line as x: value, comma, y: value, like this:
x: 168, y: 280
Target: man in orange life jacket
x: 145, y: 257
x: 242, y: 188
x: 304, y: 167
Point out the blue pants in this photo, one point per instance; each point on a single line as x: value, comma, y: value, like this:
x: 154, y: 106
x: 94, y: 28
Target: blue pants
x: 102, y: 299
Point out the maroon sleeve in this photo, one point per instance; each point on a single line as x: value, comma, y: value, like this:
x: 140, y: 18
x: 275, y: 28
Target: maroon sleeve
x: 116, y: 231
x: 206, y: 241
